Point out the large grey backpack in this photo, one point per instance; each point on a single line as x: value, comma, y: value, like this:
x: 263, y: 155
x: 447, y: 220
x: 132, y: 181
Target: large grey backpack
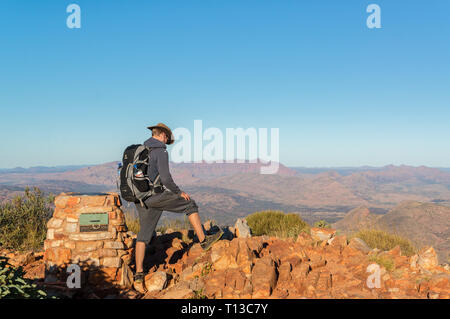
x: 135, y: 185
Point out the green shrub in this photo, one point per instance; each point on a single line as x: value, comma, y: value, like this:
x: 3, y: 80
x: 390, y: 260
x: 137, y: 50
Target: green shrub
x: 322, y: 224
x: 14, y: 286
x: 276, y: 223
x: 206, y: 269
x: 385, y: 241
x: 23, y: 220
x: 386, y: 262
x: 198, y: 294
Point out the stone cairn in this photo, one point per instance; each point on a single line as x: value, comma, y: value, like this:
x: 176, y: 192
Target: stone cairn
x: 107, y: 250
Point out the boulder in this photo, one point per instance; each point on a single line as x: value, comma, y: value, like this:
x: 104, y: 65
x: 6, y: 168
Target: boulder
x: 322, y: 234
x: 242, y: 229
x: 156, y: 281
x: 359, y: 244
x: 340, y: 240
x: 427, y: 259
x: 22, y: 259
x: 126, y: 276
x: 264, y: 277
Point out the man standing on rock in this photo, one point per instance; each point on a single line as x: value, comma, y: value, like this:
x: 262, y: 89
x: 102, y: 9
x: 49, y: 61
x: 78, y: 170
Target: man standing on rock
x: 170, y: 198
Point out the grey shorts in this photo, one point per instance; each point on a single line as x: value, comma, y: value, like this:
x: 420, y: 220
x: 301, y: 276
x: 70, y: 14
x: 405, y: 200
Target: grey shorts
x: 156, y: 204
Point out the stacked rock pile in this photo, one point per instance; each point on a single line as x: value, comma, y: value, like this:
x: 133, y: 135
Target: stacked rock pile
x: 88, y: 230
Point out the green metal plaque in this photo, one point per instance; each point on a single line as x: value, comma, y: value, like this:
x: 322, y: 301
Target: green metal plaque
x: 93, y: 222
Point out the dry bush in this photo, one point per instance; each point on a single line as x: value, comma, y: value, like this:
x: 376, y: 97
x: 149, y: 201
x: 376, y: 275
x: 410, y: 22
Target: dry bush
x: 276, y: 223
x: 23, y: 220
x: 385, y: 241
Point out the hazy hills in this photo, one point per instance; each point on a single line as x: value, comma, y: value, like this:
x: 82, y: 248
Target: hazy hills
x: 225, y: 191
x: 422, y: 223
x: 396, y: 198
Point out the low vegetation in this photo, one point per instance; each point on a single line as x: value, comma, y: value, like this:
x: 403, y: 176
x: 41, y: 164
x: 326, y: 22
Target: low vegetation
x: 386, y: 262
x: 276, y: 223
x: 199, y: 294
x: 174, y: 224
x: 14, y: 286
x: 132, y: 223
x: 386, y: 241
x: 23, y: 220
x: 322, y: 224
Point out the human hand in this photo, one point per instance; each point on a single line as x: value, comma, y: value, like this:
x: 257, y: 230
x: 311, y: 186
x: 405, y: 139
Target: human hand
x: 185, y: 196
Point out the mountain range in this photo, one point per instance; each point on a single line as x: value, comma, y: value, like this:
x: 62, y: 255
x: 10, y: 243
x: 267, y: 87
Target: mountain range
x: 227, y: 191
x: 422, y: 223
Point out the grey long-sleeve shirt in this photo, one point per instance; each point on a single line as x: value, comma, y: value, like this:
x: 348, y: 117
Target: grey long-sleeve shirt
x: 159, y: 163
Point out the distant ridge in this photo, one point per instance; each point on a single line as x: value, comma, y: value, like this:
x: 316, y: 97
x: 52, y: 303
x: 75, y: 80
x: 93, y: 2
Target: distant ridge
x: 226, y: 191
x: 344, y: 171
x: 423, y: 223
x: 356, y: 219
x: 42, y: 169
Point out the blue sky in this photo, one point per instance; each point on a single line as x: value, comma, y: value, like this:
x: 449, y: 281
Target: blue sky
x: 340, y: 93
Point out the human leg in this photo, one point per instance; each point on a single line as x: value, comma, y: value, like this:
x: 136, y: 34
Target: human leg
x: 174, y: 203
x: 148, y: 219
x: 139, y: 253
x: 196, y: 223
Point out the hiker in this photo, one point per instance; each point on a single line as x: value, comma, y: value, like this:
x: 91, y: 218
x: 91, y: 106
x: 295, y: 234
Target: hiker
x: 167, y: 197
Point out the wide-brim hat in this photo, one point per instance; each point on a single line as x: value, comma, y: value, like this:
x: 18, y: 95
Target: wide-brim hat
x: 166, y: 129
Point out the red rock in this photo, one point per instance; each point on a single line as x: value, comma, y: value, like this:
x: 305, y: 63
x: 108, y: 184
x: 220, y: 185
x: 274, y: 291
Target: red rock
x: 89, y: 201
x: 339, y: 240
x: 72, y: 201
x: 300, y: 272
x: 214, y: 284
x: 156, y: 281
x: 440, y: 283
x: 428, y: 259
x: 284, y: 273
x: 280, y: 293
x: 255, y: 244
x: 61, y: 201
x: 110, y: 273
x: 59, y: 256
x: 177, y: 243
x: 263, y: 277
x: 235, y: 279
x: 194, y: 253
x: 359, y: 244
x: 244, y: 258
x: 86, y: 246
x: 395, y: 252
x: 304, y: 239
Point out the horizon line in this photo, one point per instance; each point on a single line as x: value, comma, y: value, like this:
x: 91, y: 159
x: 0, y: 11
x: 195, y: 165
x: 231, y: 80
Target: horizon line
x: 225, y: 162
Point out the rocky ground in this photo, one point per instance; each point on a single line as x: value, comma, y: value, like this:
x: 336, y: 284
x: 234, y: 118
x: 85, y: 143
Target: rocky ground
x: 315, y: 265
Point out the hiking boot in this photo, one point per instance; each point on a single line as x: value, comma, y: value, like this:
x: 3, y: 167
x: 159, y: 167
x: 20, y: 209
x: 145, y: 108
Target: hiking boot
x: 211, y: 239
x: 139, y: 283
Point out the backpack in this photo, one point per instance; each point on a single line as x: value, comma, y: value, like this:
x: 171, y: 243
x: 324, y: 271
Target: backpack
x: 135, y: 185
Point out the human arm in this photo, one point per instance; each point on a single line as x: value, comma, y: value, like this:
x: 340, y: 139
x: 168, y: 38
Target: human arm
x: 162, y: 163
